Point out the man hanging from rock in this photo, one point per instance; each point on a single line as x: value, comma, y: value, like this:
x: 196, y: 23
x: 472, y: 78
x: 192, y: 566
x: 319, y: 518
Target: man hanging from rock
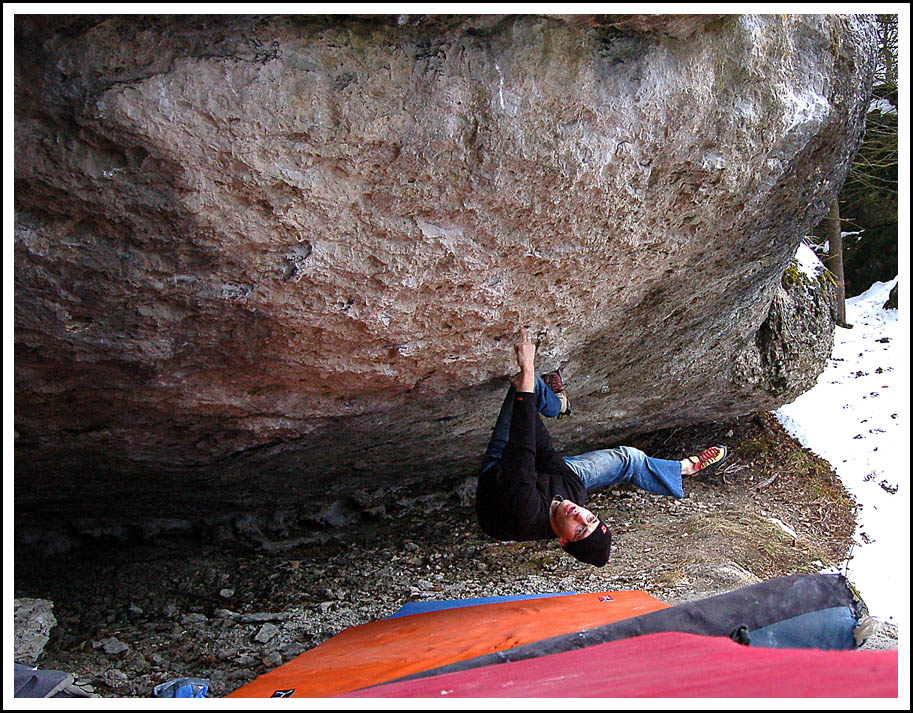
x: 528, y: 492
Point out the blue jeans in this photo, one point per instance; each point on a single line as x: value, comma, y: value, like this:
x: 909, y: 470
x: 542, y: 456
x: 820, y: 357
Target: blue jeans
x: 600, y: 469
x: 547, y: 404
x: 596, y: 469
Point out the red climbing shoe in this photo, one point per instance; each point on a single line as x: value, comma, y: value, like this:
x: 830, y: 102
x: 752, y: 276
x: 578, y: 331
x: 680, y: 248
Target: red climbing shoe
x: 712, y: 457
x: 556, y: 384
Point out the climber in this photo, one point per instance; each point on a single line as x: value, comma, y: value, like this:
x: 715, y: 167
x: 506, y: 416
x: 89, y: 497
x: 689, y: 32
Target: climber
x: 528, y: 492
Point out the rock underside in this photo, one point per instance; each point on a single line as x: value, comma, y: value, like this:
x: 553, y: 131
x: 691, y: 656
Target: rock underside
x: 259, y: 258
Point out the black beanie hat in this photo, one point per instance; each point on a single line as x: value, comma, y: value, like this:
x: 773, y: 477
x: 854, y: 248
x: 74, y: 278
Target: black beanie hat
x: 593, y: 549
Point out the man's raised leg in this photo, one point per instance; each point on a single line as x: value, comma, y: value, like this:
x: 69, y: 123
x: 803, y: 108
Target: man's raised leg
x: 547, y: 403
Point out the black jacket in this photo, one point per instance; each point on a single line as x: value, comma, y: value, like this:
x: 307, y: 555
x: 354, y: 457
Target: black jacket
x: 513, y: 496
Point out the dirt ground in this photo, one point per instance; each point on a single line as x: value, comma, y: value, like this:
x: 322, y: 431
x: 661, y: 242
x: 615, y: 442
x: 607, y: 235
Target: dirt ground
x: 131, y: 617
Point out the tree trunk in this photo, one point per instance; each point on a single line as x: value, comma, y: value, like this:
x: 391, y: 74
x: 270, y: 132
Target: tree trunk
x: 888, y: 41
x: 835, y: 258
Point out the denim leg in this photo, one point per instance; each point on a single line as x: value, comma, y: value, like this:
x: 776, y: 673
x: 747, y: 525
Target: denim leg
x: 547, y: 403
x: 599, y: 469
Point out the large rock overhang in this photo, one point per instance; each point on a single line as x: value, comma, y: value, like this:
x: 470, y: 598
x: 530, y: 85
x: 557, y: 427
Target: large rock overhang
x: 258, y: 258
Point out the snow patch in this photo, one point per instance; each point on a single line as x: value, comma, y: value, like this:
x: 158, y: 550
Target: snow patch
x: 882, y: 105
x: 856, y: 418
x: 808, y: 261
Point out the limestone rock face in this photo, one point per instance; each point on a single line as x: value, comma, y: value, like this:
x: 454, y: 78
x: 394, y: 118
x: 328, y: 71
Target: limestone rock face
x: 33, y: 620
x: 794, y: 340
x: 262, y: 257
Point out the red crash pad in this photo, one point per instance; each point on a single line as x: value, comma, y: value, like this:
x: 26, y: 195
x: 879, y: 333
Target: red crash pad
x: 667, y: 665
x: 390, y: 648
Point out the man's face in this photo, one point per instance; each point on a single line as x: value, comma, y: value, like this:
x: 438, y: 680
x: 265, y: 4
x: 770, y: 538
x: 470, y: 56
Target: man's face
x: 571, y: 522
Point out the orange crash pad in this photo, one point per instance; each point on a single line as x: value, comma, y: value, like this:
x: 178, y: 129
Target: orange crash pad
x: 385, y: 650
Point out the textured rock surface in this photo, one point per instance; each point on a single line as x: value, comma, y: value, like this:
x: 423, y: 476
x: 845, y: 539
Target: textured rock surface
x: 33, y: 620
x: 794, y: 340
x: 265, y: 257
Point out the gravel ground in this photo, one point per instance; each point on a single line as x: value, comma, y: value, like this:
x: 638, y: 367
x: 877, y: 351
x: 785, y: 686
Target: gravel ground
x: 230, y: 600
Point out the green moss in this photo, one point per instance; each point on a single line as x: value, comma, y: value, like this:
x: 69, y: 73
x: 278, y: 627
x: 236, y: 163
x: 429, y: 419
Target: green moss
x: 793, y: 275
x: 827, y: 278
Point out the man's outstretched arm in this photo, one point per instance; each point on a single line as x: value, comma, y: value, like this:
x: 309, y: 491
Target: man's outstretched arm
x: 526, y: 360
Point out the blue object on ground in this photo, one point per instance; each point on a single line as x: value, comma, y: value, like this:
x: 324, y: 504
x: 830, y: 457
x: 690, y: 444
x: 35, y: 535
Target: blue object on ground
x: 830, y: 628
x: 182, y: 688
x: 431, y: 605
